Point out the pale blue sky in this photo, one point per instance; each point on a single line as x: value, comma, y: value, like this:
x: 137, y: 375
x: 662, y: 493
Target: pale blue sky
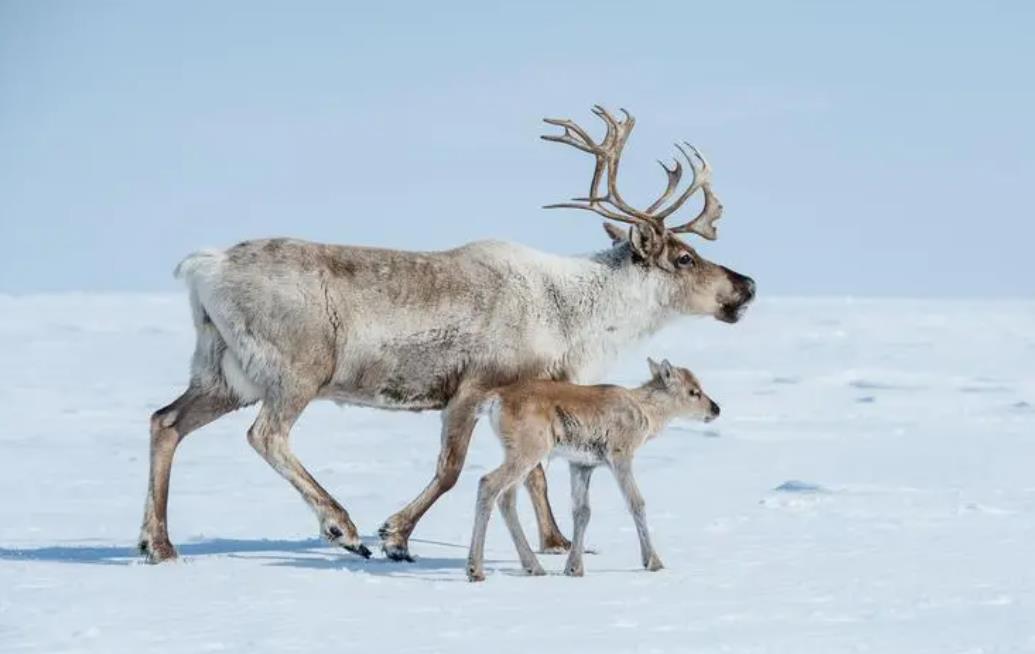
x: 859, y: 148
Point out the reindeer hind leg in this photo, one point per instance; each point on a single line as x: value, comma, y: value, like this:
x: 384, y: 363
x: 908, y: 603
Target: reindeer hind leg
x: 169, y: 426
x: 551, y: 540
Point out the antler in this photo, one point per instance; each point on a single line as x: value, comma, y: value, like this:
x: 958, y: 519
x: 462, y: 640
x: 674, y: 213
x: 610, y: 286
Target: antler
x: 608, y: 154
x: 704, y: 223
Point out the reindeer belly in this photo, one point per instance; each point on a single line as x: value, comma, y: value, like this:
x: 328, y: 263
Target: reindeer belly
x: 587, y: 456
x: 416, y: 372
x: 422, y: 368
x: 578, y: 441
x: 388, y: 384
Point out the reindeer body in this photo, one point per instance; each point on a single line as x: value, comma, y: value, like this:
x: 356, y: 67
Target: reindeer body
x: 488, y: 312
x: 284, y: 322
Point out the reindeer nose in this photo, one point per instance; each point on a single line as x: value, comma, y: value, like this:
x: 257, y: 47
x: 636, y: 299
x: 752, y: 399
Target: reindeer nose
x: 744, y: 285
x: 715, y: 409
x: 748, y: 289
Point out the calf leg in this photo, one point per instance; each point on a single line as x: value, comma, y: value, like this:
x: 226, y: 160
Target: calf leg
x: 489, y: 489
x: 170, y: 425
x: 458, y: 421
x: 622, y: 469
x: 551, y: 540
x: 269, y: 436
x: 508, y: 507
x: 580, y: 476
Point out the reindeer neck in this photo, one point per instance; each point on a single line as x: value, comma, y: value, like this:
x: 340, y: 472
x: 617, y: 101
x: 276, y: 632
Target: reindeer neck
x: 612, y: 306
x: 657, y: 403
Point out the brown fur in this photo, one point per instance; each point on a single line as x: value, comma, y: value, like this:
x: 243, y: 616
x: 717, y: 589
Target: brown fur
x: 590, y: 426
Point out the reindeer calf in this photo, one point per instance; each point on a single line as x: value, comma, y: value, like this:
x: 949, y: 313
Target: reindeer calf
x: 590, y: 426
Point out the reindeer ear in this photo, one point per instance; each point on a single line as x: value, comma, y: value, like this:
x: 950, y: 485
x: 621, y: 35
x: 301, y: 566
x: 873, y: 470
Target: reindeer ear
x: 655, y: 369
x: 615, y: 233
x: 645, y: 241
x: 666, y: 369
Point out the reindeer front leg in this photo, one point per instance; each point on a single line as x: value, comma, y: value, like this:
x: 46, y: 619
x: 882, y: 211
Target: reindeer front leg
x: 458, y: 421
x: 269, y: 436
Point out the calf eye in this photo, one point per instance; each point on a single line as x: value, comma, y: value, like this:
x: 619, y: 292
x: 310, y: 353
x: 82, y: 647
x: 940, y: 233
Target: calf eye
x: 685, y: 260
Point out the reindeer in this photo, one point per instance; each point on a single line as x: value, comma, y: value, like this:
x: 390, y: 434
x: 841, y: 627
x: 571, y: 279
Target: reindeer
x: 590, y: 426
x: 284, y: 322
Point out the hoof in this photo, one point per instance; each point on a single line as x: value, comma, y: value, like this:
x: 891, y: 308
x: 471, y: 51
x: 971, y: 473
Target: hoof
x: 393, y: 544
x: 556, y: 549
x: 654, y: 564
x: 473, y: 575
x: 532, y: 567
x: 335, y: 535
x: 574, y: 567
x: 156, y: 551
x: 556, y: 544
x: 361, y: 550
x: 397, y: 552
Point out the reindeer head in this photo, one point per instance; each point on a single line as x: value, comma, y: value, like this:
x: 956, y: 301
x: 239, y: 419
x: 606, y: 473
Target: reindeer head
x: 684, y: 389
x: 698, y: 285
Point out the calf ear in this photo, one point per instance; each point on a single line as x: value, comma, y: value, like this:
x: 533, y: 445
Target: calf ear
x: 615, y: 233
x: 655, y: 369
x: 666, y: 370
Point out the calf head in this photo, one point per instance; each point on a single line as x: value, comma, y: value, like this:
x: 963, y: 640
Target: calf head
x: 684, y: 389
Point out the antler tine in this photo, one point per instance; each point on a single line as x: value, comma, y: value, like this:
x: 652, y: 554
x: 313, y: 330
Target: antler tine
x: 611, y: 120
x: 609, y: 123
x: 569, y: 127
x: 569, y: 139
x: 674, y: 175
x: 606, y: 153
x: 702, y: 177
x: 596, y: 208
x: 704, y: 224
x: 617, y: 132
x: 584, y: 142
x: 617, y: 135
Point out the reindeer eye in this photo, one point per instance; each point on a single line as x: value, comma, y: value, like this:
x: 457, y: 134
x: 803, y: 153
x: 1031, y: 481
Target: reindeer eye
x: 685, y: 260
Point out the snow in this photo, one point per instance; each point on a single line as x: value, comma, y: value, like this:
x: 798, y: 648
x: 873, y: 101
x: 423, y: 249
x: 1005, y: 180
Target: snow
x: 869, y: 487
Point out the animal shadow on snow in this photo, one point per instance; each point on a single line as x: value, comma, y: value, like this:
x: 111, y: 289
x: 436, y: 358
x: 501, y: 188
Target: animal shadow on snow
x: 309, y: 553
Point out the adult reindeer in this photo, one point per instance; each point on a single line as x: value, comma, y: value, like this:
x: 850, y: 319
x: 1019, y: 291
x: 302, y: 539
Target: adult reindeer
x: 284, y: 322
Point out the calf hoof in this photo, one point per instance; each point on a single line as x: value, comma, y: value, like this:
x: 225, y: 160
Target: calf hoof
x: 654, y: 564
x: 156, y: 550
x: 475, y: 575
x: 574, y: 570
x: 536, y: 571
